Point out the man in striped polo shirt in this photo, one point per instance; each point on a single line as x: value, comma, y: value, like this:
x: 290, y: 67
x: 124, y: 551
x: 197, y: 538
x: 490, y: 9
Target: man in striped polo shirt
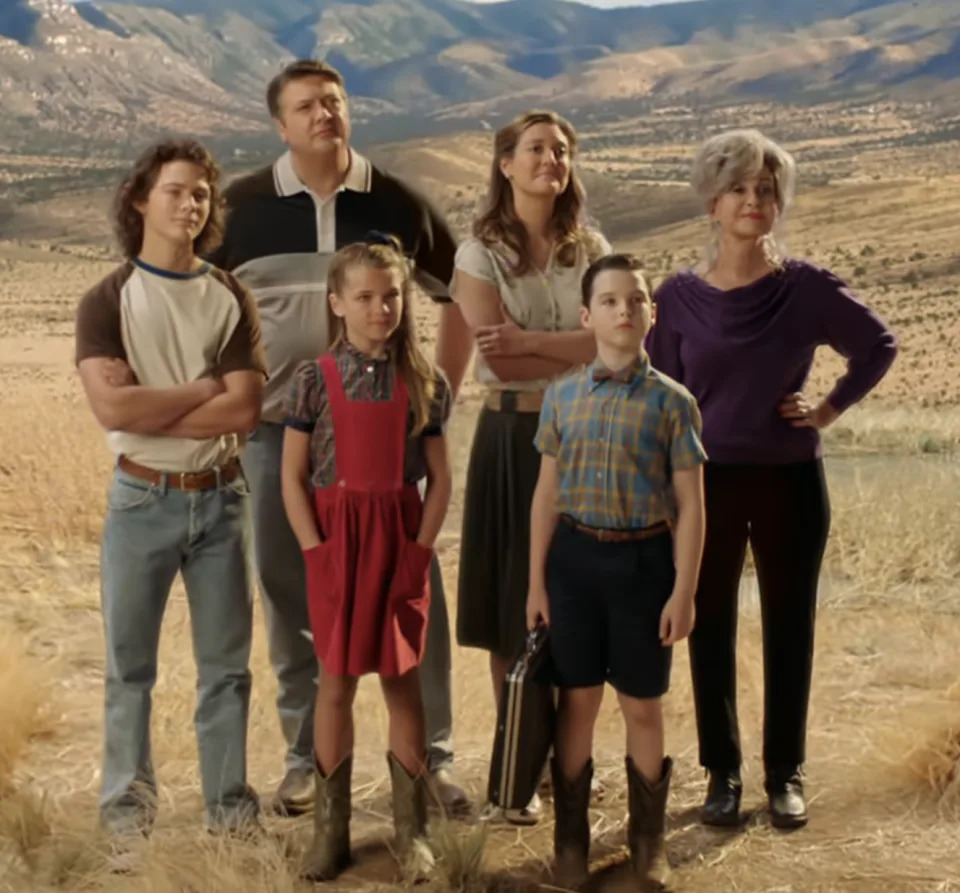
x: 284, y: 223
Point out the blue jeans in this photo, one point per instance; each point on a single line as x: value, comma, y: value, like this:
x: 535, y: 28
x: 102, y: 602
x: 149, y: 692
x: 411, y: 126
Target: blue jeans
x: 151, y: 533
x: 283, y: 585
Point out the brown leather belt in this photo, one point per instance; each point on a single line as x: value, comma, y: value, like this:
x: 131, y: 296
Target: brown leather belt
x: 182, y: 480
x: 513, y: 401
x: 617, y: 536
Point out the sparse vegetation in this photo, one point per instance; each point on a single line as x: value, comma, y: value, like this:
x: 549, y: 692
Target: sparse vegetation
x: 883, y: 751
x: 25, y: 702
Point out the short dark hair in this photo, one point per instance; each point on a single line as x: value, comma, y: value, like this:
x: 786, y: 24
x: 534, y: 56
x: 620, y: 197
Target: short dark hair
x: 628, y: 263
x: 297, y: 71
x: 136, y: 187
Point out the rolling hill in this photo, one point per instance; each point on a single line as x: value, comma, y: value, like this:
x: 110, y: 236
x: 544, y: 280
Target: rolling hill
x: 103, y: 74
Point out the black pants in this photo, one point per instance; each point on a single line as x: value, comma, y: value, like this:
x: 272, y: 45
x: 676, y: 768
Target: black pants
x: 784, y: 513
x: 605, y: 605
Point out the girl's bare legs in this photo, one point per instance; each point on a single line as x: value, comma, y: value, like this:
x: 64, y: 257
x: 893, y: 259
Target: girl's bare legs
x: 333, y: 720
x: 644, y: 722
x: 407, y: 735
x: 579, y: 708
x: 407, y: 759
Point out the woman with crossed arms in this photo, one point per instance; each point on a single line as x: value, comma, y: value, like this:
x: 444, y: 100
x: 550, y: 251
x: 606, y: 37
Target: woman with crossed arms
x: 517, y: 282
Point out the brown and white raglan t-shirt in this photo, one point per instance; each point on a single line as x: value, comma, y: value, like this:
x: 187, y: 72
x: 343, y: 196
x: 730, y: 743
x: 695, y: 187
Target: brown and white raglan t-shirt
x: 170, y: 329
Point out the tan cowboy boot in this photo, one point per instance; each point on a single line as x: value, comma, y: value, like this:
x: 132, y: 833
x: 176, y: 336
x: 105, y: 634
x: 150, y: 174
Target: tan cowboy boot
x: 410, y: 822
x: 645, y: 831
x: 329, y: 854
x: 571, y: 830
x: 294, y: 796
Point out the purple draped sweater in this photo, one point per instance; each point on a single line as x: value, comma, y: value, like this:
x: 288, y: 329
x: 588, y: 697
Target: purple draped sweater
x: 740, y: 352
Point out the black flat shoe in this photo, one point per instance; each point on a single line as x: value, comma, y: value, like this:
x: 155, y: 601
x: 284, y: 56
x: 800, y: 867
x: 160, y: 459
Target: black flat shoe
x: 788, y: 808
x: 721, y: 809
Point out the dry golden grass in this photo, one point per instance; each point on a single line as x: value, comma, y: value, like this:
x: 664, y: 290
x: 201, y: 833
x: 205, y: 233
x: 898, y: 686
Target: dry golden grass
x: 25, y: 702
x: 884, y: 734
x: 883, y: 775
x: 930, y: 752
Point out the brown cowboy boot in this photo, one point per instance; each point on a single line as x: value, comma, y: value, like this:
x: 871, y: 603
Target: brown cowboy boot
x: 410, y: 822
x: 648, y: 811
x: 329, y: 854
x: 571, y: 830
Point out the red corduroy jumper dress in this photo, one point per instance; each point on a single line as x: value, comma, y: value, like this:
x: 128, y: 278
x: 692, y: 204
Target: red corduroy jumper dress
x: 367, y: 587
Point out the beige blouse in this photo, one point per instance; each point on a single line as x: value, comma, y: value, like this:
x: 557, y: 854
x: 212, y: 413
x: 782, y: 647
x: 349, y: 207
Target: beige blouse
x: 543, y: 301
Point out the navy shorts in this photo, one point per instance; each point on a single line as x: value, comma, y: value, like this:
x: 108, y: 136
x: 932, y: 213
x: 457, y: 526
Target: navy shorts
x: 605, y: 601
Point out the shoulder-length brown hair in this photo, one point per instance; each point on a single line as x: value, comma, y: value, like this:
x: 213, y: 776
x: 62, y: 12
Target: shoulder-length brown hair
x: 498, y: 222
x: 419, y: 374
x: 136, y: 186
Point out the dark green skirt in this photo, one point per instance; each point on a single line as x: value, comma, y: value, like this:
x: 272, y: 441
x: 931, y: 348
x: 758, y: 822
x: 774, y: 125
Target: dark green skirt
x: 495, y: 542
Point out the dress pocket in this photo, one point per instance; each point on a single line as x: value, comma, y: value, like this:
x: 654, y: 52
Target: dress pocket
x: 413, y: 563
x: 323, y: 593
x: 320, y: 566
x: 408, y: 603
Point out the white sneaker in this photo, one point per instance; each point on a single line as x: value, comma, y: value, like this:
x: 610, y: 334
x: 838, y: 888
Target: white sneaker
x: 445, y: 794
x: 527, y: 815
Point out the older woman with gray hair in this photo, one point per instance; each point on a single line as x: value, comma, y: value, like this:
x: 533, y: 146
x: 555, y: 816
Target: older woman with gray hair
x: 740, y: 331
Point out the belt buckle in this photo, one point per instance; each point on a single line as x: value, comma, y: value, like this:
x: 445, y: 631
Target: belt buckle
x: 183, y: 480
x: 604, y: 536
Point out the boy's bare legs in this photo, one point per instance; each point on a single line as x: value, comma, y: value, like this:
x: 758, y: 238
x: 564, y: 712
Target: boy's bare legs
x: 333, y: 720
x: 648, y: 784
x: 572, y: 770
x: 579, y: 708
x: 644, y: 722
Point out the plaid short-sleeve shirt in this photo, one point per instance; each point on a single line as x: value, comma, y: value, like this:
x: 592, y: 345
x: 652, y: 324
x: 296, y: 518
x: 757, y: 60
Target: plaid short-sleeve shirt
x: 307, y: 408
x: 617, y: 438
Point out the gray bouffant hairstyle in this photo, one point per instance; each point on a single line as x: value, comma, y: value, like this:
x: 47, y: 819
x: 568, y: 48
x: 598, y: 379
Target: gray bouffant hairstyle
x: 730, y: 158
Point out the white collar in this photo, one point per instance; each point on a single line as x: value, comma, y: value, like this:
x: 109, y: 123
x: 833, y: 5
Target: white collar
x: 288, y: 183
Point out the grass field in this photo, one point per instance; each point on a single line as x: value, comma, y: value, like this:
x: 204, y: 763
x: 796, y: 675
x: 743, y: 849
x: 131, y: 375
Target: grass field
x: 884, y: 739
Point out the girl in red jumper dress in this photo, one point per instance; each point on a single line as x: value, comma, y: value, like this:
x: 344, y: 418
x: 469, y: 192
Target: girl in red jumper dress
x: 364, y: 424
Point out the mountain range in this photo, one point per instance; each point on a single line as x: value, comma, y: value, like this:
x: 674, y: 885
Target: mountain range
x: 103, y: 74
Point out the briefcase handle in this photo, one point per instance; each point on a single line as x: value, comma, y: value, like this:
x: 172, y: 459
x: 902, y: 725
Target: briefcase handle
x: 536, y: 639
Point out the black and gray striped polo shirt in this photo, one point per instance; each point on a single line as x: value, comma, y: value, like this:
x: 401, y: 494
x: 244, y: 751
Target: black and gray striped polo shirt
x: 280, y: 238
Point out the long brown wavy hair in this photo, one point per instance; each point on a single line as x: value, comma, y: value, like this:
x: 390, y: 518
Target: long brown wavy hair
x: 498, y: 222
x: 419, y: 374
x: 136, y: 186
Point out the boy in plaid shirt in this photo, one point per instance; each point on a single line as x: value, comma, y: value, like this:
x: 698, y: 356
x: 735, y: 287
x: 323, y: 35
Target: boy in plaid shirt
x: 621, y: 467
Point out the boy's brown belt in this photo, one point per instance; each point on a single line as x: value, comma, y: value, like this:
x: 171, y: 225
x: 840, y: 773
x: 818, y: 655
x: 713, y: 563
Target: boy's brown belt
x: 182, y: 480
x: 617, y: 536
x: 513, y: 401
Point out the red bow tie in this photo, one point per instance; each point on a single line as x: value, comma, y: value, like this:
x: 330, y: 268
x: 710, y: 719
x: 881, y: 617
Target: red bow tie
x: 623, y: 376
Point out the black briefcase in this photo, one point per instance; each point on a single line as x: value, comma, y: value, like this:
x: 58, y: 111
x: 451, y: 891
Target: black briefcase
x: 525, y: 726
